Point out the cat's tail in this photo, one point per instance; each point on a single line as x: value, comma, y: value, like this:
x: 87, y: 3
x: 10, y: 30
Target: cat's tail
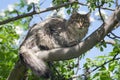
x: 37, y: 66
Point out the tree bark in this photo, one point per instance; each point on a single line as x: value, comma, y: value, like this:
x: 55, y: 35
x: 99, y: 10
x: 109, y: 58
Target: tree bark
x: 18, y: 72
x: 71, y: 52
x: 75, y: 51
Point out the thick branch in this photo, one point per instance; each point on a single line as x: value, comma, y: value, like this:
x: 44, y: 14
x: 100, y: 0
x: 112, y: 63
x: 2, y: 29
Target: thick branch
x: 87, y: 44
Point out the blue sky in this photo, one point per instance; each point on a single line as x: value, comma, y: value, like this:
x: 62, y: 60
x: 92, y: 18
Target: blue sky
x: 94, y: 25
x: 4, y: 3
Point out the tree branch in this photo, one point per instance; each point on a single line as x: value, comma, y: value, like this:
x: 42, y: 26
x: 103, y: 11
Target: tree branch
x: 95, y: 68
x: 18, y: 73
x: 42, y: 11
x: 112, y: 42
x: 107, y: 8
x: 97, y: 6
x: 114, y: 58
x: 99, y: 10
x: 113, y: 36
x: 34, y: 12
x: 116, y: 2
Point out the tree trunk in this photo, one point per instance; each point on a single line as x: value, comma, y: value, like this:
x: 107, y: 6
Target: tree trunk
x: 19, y: 72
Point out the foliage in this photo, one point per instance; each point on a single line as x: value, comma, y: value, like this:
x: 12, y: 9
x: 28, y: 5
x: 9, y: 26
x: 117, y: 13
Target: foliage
x: 93, y: 4
x: 8, y: 41
x: 102, y: 68
x: 69, y: 8
x: 65, y: 69
x: 8, y: 50
x: 106, y: 67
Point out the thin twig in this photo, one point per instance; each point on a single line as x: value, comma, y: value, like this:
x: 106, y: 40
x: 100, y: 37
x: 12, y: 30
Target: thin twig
x: 114, y: 36
x: 33, y: 5
x: 105, y: 8
x: 99, y: 10
x: 42, y: 2
x: 78, y: 64
x: 114, y: 58
x: 42, y: 11
x: 16, y: 18
x: 112, y: 42
x: 116, y: 2
x: 33, y: 13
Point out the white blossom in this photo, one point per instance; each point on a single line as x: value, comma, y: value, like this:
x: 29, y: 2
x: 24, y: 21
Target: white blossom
x: 103, y: 14
x: 88, y: 4
x: 31, y: 1
x: 2, y: 13
x: 17, y: 42
x: 11, y: 8
x: 19, y: 30
x: 60, y: 13
x: 102, y: 11
x: 22, y: 33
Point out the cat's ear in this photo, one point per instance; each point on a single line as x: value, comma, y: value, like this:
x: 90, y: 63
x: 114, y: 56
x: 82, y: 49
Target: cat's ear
x: 88, y: 14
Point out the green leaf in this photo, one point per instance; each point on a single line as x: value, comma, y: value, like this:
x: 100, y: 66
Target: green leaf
x: 104, y: 44
x: 68, y: 11
x: 111, y: 66
x: 96, y: 76
x: 101, y: 48
x: 105, y: 75
x: 22, y: 4
x: 29, y: 8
